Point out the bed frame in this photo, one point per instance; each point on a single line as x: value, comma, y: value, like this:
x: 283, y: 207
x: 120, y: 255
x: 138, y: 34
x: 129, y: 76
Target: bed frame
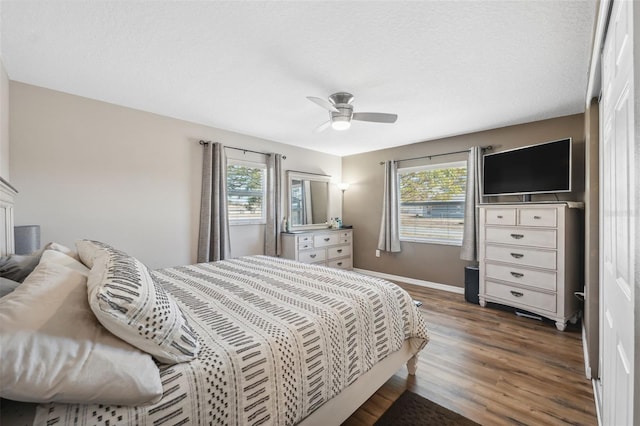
x: 338, y: 409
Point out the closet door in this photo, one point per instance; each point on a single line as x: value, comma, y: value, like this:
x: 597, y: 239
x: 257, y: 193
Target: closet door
x: 617, y: 219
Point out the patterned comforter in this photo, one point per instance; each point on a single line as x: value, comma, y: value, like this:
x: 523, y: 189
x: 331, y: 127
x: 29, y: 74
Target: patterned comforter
x: 278, y: 339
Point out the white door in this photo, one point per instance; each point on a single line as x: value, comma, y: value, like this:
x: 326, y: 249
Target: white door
x: 617, y: 228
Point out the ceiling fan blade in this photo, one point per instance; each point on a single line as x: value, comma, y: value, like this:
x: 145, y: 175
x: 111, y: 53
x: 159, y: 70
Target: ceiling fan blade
x: 323, y: 103
x: 378, y: 117
x: 323, y: 126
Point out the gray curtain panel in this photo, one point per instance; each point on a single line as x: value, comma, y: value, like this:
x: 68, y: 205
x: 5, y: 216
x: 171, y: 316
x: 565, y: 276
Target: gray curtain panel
x: 213, y: 238
x: 272, y: 242
x: 470, y: 236
x: 389, y: 239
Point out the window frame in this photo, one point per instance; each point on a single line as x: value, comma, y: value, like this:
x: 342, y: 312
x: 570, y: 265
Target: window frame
x: 263, y: 214
x: 404, y: 170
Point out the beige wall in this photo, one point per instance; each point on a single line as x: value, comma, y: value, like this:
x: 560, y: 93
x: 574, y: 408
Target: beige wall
x: 88, y: 169
x: 430, y: 262
x: 4, y: 123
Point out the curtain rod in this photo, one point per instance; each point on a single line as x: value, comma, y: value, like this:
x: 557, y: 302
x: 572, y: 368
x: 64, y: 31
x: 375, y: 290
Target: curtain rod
x: 268, y: 154
x: 484, y: 148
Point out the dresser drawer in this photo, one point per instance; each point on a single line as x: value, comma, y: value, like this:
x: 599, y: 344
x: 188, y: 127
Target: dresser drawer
x: 303, y: 245
x: 545, y: 280
x: 324, y: 240
x: 500, y: 217
x: 344, y: 234
x: 338, y: 251
x: 522, y: 297
x: 524, y: 237
x: 305, y: 239
x: 311, y: 256
x: 340, y: 263
x: 522, y: 256
x: 537, y: 217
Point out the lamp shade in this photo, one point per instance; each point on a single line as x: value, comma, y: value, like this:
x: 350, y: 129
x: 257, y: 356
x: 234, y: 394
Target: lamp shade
x: 27, y: 238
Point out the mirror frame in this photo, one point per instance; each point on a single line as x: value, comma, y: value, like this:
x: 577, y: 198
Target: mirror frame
x: 291, y: 175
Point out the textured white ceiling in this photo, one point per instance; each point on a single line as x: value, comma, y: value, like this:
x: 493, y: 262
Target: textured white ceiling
x: 445, y: 67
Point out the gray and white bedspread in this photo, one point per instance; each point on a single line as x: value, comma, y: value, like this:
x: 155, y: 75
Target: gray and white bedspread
x: 278, y: 339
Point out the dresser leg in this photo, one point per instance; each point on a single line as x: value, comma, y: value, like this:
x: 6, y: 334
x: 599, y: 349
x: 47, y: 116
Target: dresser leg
x: 561, y: 325
x: 412, y: 365
x: 483, y: 302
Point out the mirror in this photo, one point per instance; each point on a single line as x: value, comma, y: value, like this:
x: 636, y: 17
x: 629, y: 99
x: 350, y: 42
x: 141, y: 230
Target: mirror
x: 308, y: 200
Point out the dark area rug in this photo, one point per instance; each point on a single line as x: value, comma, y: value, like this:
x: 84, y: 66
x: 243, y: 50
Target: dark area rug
x: 411, y: 409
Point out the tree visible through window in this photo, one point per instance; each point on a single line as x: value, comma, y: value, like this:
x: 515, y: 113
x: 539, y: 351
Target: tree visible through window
x: 246, y: 192
x: 432, y: 203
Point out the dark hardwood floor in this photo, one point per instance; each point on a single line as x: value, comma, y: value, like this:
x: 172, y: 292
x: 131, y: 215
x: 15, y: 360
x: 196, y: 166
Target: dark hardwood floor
x: 493, y: 367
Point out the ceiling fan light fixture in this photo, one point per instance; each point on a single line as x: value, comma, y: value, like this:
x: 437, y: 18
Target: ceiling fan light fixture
x: 340, y: 123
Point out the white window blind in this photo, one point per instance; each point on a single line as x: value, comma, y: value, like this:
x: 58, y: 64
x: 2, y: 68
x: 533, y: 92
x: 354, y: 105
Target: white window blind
x: 432, y: 203
x: 246, y: 192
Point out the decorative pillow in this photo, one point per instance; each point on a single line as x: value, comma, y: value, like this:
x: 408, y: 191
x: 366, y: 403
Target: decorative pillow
x: 7, y: 286
x: 54, y: 349
x: 130, y: 304
x: 88, y: 251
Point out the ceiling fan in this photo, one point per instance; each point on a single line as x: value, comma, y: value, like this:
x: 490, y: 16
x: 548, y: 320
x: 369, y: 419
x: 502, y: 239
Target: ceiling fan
x: 341, y: 112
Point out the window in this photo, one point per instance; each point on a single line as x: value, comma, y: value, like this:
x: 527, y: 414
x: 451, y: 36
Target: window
x: 246, y: 192
x: 432, y: 203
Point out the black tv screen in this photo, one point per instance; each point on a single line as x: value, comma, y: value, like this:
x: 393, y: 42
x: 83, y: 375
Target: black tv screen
x: 535, y: 169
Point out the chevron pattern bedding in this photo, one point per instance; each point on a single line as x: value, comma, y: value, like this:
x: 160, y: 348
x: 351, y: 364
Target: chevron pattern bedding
x: 278, y: 338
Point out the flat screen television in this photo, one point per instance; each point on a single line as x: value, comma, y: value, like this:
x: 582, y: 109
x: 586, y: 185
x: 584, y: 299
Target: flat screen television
x: 534, y: 169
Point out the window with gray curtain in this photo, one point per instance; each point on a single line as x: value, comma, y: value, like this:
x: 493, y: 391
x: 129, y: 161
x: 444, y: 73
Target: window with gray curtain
x: 389, y: 237
x: 272, y: 238
x: 213, y: 235
x: 473, y: 197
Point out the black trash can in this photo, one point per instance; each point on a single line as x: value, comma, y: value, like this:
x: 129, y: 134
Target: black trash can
x: 472, y: 284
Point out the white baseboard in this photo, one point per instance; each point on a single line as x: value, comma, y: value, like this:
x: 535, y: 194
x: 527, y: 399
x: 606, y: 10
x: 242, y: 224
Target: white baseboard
x: 597, y: 398
x: 585, y: 350
x: 422, y: 283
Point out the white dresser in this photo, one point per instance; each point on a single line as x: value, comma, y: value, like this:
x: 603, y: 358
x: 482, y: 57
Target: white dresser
x: 328, y: 247
x: 530, y: 257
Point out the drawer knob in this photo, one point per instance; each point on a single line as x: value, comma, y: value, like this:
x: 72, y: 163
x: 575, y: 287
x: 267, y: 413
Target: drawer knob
x: 517, y: 274
x: 339, y: 263
x: 499, y: 216
x: 537, y: 217
x: 517, y: 255
x: 339, y: 250
x: 517, y: 236
x: 312, y: 256
x: 327, y: 239
x: 517, y: 293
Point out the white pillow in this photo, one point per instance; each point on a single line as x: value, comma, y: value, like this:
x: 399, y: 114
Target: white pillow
x: 129, y: 303
x: 62, y: 249
x: 53, y: 349
x: 62, y: 259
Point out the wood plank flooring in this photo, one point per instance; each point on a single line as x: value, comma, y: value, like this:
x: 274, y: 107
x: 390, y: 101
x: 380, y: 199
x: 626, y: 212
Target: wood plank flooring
x: 492, y: 367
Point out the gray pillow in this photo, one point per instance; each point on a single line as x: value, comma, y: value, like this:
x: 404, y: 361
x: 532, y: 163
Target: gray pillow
x: 7, y: 286
x: 16, y: 267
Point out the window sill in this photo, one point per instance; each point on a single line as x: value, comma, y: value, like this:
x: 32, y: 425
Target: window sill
x: 434, y: 242
x: 248, y: 222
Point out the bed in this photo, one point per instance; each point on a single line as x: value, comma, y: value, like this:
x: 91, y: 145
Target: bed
x: 278, y: 341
